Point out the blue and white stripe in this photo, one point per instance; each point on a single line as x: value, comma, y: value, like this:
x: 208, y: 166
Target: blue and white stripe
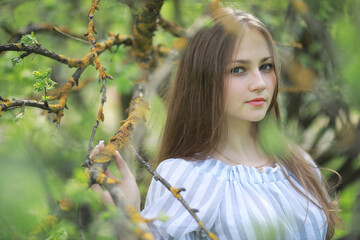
x: 234, y: 202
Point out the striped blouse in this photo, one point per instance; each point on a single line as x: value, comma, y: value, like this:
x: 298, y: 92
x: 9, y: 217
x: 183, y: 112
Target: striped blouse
x: 234, y: 202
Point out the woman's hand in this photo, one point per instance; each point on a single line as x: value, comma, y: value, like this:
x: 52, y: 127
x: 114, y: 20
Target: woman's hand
x: 127, y: 184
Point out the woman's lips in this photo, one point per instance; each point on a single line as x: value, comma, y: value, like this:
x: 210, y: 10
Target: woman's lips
x: 256, y: 102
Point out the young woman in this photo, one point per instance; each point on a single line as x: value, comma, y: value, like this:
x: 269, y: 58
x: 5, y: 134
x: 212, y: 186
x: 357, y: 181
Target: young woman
x: 226, y: 84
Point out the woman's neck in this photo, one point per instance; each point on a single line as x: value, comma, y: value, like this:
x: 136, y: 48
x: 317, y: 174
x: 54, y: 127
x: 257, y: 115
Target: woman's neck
x: 240, y: 146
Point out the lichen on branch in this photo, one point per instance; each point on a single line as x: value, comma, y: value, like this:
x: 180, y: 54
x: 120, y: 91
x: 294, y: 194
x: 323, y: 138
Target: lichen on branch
x: 92, y: 41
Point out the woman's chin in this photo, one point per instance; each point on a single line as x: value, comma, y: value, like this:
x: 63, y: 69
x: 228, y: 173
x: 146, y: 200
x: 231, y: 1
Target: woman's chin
x: 254, y: 118
x: 257, y: 118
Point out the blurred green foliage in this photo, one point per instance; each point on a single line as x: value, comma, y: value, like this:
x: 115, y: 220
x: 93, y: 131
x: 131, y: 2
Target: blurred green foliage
x: 41, y: 164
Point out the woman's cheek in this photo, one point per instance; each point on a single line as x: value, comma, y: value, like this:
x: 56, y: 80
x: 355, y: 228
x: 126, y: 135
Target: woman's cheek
x: 272, y: 82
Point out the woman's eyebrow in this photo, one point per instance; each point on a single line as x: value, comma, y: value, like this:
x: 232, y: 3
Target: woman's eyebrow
x: 244, y: 61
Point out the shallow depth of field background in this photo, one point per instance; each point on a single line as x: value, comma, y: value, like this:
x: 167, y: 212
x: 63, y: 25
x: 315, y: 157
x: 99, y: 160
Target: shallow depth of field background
x: 320, y: 103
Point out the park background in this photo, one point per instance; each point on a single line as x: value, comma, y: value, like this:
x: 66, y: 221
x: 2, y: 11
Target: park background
x: 40, y: 161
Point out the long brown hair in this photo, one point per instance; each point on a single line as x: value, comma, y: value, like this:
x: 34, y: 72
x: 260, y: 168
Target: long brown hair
x: 195, y: 124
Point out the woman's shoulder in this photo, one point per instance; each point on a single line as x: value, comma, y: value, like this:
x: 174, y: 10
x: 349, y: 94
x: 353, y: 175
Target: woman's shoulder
x: 305, y: 155
x: 308, y: 159
x: 181, y: 165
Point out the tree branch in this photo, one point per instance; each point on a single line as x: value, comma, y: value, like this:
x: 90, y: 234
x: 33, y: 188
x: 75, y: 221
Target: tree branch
x: 53, y: 108
x: 92, y: 41
x: 8, y: 104
x: 114, y: 39
x: 100, y: 117
x: 38, y: 49
x: 71, y: 62
x: 41, y: 27
x: 171, y: 27
x: 145, y: 17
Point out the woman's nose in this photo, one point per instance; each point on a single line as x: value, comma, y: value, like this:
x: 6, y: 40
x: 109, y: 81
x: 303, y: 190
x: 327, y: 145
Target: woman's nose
x: 257, y: 81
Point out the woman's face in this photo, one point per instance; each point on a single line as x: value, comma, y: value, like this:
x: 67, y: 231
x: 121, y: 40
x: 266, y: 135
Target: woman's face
x: 250, y: 80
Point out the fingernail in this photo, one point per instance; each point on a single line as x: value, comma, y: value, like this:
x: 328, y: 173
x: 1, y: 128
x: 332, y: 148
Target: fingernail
x: 117, y: 151
x: 101, y: 142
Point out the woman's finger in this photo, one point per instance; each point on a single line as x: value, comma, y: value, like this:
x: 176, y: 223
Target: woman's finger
x: 109, y: 174
x: 94, y: 152
x: 122, y: 166
x: 107, y: 199
x: 105, y: 195
x: 97, y: 149
x: 96, y: 188
x: 101, y: 146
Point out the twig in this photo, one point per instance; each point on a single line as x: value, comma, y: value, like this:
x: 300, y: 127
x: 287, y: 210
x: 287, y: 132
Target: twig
x: 71, y: 62
x: 22, y: 56
x: 171, y: 27
x: 40, y: 27
x: 100, y: 117
x: 56, y: 29
x: 92, y: 41
x: 9, y: 105
x: 38, y: 49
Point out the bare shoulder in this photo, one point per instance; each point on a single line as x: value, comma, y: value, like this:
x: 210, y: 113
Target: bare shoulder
x: 306, y: 155
x: 308, y: 158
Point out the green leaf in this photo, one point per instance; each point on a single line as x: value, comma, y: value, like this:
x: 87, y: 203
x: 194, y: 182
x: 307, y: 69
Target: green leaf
x: 15, y: 60
x: 38, y: 87
x: 44, y: 98
x: 29, y: 39
x: 43, y: 81
x: 47, y: 73
x: 49, y: 84
x: 37, y: 75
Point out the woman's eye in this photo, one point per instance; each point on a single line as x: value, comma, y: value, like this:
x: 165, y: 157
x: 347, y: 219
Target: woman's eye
x: 267, y: 67
x: 237, y: 70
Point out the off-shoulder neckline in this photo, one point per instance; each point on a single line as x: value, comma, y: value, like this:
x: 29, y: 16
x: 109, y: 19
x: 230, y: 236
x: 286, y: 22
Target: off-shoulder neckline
x: 239, y: 173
